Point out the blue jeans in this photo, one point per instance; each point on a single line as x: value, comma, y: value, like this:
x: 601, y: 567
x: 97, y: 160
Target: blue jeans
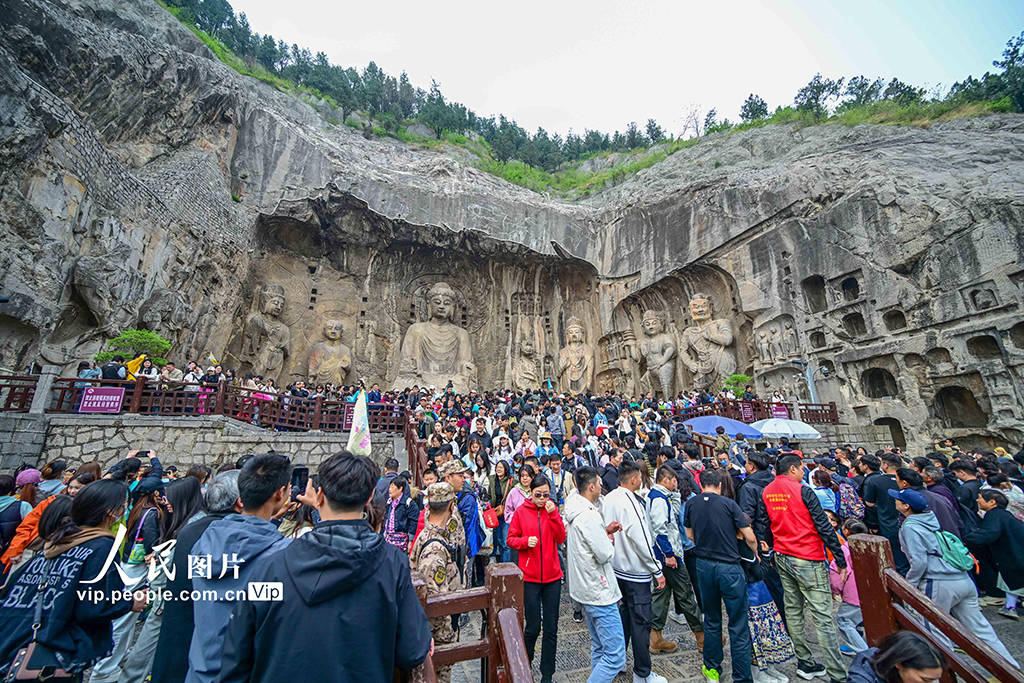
x: 718, y: 582
x: 500, y: 537
x: 607, y: 642
x: 847, y: 618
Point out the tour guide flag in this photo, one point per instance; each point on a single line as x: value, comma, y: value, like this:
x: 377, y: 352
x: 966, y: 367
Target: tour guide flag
x: 359, y: 437
x: 132, y: 366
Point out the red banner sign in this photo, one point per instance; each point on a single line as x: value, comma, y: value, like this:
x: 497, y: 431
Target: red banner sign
x: 780, y: 410
x: 101, y: 400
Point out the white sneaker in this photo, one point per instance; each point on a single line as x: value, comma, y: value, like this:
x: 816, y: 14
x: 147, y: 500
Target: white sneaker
x: 776, y: 675
x: 651, y: 678
x: 676, y: 617
x: 760, y: 676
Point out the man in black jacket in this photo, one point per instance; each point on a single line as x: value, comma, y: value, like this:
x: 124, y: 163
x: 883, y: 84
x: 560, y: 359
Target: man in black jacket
x: 341, y: 584
x: 170, y: 663
x: 610, y: 474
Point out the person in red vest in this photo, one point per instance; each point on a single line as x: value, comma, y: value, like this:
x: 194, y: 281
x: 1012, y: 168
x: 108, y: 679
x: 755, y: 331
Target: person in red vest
x: 800, y: 532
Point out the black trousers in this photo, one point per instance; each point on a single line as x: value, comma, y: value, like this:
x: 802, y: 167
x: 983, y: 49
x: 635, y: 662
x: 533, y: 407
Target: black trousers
x: 541, y: 606
x: 691, y: 568
x: 637, y: 615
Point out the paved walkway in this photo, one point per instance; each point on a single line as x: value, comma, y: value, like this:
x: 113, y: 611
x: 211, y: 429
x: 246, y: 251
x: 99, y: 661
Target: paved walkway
x: 683, y: 665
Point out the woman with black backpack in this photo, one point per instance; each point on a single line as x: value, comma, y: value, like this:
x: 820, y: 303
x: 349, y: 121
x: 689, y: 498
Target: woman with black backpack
x: 74, y: 630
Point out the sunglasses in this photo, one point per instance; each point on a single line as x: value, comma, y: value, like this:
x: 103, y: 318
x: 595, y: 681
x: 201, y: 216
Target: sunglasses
x: 542, y: 496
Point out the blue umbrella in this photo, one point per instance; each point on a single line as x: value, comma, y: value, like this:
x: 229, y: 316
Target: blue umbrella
x: 708, y: 424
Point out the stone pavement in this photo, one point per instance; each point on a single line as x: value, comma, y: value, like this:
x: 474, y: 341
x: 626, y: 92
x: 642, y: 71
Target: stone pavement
x: 683, y: 665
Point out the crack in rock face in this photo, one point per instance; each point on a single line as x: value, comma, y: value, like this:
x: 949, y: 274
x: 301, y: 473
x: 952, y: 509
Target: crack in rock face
x: 145, y: 184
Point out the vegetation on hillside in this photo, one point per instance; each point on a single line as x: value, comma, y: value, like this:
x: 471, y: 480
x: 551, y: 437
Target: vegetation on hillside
x: 549, y: 162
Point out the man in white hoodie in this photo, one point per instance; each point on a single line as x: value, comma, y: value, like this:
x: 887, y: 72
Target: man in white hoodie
x: 591, y: 577
x: 635, y: 565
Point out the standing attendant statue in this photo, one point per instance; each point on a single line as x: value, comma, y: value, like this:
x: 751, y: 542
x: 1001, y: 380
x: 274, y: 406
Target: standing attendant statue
x: 658, y: 350
x: 266, y: 337
x: 576, y: 360
x: 708, y: 356
x: 437, y: 351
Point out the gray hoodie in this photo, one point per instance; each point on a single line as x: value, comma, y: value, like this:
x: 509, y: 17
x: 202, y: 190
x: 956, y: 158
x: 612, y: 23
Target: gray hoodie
x: 917, y: 537
x: 590, y: 552
x: 247, y: 540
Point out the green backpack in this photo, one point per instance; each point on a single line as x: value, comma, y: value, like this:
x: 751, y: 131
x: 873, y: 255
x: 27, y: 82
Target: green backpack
x: 954, y: 552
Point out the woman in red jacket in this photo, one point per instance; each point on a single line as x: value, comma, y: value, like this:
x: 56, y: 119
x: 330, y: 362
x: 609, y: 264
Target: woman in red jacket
x: 535, y: 531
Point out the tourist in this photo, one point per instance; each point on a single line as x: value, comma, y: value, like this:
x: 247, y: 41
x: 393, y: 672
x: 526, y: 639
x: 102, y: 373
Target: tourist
x: 170, y: 661
x: 611, y: 474
x: 713, y: 522
x: 591, y: 578
x: 26, y: 535
x: 238, y: 544
x: 454, y: 472
x: 844, y: 586
x: 27, y: 484
x: 535, y: 532
x: 966, y: 473
x: 503, y: 451
x: 500, y: 484
x: 343, y: 586
x: 51, y: 478
x: 73, y: 626
x: 663, y: 509
x: 635, y: 567
x: 948, y: 516
x: 901, y: 657
x: 148, y: 511
x: 800, y: 534
x: 184, y: 506
x: 147, y: 371
x: 1004, y: 535
x: 12, y: 511
x: 880, y: 514
x: 114, y: 369
x: 547, y: 449
x: 1014, y: 495
x: 826, y: 490
x: 948, y: 586
x: 401, y: 515
x: 380, y: 491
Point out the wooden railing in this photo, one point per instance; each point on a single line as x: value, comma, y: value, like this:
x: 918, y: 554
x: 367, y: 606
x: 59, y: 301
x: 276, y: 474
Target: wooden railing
x: 502, y: 645
x: 752, y: 411
x: 889, y: 603
x: 416, y: 448
x: 270, y: 411
x: 16, y: 392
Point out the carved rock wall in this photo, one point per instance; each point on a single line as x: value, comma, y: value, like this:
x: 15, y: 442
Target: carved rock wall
x: 143, y: 182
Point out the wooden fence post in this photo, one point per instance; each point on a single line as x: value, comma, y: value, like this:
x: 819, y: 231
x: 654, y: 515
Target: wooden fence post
x: 221, y: 399
x: 318, y: 407
x: 135, y: 403
x: 871, y: 556
x: 504, y: 582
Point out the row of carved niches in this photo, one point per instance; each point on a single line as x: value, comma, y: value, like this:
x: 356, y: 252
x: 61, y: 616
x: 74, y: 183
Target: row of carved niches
x: 404, y: 319
x: 685, y: 331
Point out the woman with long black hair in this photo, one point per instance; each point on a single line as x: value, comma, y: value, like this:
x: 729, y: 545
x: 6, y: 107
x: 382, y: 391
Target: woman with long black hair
x: 184, y: 502
x: 73, y: 630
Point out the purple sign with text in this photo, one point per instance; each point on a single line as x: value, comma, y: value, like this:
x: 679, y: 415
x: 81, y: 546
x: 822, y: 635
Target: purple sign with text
x: 101, y: 400
x: 780, y: 410
x: 747, y: 411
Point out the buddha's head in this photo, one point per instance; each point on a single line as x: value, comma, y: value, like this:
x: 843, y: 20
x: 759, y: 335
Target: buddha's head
x: 272, y: 300
x: 333, y: 329
x: 441, y: 301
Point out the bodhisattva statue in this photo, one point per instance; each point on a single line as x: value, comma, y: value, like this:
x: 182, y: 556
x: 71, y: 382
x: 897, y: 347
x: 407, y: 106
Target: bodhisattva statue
x: 438, y: 350
x: 329, y: 360
x: 266, y: 337
x: 526, y: 367
x: 576, y: 360
x: 658, y: 350
x: 708, y: 356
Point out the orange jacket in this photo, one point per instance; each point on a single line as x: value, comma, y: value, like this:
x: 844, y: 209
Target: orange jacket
x: 25, y: 533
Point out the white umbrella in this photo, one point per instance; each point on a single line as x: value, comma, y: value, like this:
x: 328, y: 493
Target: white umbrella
x: 777, y: 427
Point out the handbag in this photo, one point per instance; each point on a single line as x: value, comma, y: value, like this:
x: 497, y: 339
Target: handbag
x: 138, y: 552
x: 490, y: 517
x: 35, y: 661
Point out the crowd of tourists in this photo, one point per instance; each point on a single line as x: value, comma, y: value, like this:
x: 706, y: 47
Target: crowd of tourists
x: 607, y: 500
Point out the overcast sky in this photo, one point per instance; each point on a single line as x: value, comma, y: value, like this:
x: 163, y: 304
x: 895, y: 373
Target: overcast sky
x: 569, y: 64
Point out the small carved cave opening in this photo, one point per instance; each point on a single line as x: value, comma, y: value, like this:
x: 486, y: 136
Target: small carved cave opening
x: 878, y: 383
x: 1017, y: 335
x: 854, y: 324
x: 814, y: 292
x: 956, y: 406
x: 894, y: 320
x: 817, y: 340
x: 828, y: 369
x: 851, y: 289
x: 938, y: 355
x: 895, y: 430
x: 984, y: 347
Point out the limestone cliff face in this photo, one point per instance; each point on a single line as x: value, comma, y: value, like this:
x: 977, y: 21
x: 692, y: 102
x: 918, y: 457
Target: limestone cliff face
x: 890, y: 256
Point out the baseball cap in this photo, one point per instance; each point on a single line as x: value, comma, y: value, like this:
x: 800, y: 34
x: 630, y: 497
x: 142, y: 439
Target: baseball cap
x: 916, y: 501
x: 28, y: 476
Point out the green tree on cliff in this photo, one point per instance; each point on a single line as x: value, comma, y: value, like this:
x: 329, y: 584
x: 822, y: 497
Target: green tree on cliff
x: 132, y: 343
x: 754, y: 108
x: 814, y: 97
